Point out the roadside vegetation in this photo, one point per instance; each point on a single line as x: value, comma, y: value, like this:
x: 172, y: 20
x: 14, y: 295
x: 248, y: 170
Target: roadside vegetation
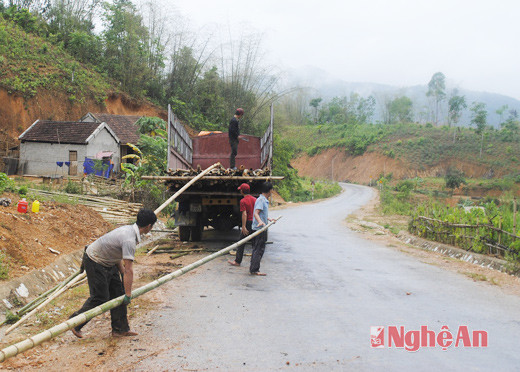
x: 481, y: 224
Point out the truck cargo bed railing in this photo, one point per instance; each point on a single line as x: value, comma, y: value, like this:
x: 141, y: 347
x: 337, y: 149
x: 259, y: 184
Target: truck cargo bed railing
x: 180, y: 145
x: 266, y: 144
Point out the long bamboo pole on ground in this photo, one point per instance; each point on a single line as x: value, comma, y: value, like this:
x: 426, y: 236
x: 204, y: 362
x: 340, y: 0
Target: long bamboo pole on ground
x: 49, y: 299
x: 46, y: 335
x: 38, y: 300
x: 174, y: 196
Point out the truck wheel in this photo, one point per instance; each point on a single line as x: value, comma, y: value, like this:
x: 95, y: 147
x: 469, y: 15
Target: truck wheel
x: 196, y: 232
x: 184, y: 233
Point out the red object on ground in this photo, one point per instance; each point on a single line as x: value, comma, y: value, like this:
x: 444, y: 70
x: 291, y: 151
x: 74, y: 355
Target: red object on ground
x: 22, y: 206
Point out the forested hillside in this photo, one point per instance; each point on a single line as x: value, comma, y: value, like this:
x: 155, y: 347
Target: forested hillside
x: 116, y: 46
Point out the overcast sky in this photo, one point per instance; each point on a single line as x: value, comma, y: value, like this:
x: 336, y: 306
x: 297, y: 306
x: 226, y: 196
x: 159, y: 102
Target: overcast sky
x: 476, y: 44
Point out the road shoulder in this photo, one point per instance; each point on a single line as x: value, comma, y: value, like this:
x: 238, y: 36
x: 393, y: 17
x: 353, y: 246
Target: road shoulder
x: 370, y: 223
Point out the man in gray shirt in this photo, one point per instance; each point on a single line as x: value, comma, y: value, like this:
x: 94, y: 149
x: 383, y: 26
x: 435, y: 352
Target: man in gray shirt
x: 104, y: 261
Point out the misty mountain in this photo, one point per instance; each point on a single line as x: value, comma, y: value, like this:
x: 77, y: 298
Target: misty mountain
x: 320, y: 83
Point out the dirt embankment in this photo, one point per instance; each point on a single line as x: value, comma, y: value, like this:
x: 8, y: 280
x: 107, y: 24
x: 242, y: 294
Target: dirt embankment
x: 26, y: 238
x: 336, y: 164
x: 18, y: 113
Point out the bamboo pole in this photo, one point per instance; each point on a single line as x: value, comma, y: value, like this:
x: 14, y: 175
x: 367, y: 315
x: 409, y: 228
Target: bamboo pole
x: 38, y: 300
x: 46, y: 335
x: 195, y: 179
x: 173, y: 257
x: 152, y: 250
x: 49, y: 299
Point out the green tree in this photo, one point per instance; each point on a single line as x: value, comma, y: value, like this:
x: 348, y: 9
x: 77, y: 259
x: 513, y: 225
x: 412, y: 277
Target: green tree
x: 501, y: 111
x: 315, y: 102
x: 126, y: 50
x: 456, y: 105
x: 437, y: 90
x: 454, y: 178
x: 479, y: 120
x: 209, y: 97
x: 365, y: 109
x: 400, y: 110
x: 479, y: 116
x: 185, y: 71
x: 66, y: 17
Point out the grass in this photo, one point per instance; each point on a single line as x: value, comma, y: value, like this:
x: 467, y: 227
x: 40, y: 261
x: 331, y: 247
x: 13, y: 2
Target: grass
x: 29, y: 63
x: 4, y: 266
x: 480, y: 278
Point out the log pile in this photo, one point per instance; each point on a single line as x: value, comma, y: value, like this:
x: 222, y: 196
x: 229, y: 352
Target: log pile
x: 217, y: 176
x: 221, y: 171
x: 112, y: 210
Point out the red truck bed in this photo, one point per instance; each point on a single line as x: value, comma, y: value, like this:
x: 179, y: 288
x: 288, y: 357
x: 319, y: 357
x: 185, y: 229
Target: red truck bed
x: 214, y: 147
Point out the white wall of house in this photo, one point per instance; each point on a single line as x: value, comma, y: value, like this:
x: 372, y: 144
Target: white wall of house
x: 40, y: 158
x: 104, y: 141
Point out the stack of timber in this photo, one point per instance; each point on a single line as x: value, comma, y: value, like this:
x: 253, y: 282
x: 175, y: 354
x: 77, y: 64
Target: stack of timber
x: 217, y: 176
x: 112, y: 210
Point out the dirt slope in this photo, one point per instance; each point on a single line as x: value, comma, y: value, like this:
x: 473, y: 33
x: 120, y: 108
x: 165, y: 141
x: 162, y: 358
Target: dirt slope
x: 26, y: 238
x: 338, y: 165
x: 18, y: 113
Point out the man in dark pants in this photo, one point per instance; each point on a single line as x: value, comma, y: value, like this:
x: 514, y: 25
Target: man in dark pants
x: 233, y: 133
x: 247, y: 204
x: 260, y: 219
x: 104, y: 260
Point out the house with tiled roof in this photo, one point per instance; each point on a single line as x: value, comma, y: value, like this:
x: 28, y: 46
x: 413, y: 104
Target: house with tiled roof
x: 48, y: 145
x: 124, y: 126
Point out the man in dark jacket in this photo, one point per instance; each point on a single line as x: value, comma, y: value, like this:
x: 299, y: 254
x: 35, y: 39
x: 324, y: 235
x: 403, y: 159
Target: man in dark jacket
x: 234, y: 132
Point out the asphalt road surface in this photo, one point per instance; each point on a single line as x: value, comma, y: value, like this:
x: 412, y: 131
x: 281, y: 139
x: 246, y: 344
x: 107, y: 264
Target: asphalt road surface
x: 325, y: 287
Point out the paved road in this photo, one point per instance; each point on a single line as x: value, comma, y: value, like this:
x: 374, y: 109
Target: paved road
x: 326, y: 286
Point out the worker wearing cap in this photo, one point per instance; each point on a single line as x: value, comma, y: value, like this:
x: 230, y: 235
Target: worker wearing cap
x: 104, y: 261
x: 233, y: 133
x: 247, y: 204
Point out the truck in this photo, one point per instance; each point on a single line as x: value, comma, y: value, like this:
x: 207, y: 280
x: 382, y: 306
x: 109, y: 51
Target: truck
x: 214, y: 200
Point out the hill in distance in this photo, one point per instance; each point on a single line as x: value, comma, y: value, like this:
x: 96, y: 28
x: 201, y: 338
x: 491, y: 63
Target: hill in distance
x: 322, y: 84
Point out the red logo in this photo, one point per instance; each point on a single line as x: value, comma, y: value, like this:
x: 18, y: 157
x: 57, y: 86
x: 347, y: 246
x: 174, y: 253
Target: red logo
x: 377, y: 336
x: 413, y: 340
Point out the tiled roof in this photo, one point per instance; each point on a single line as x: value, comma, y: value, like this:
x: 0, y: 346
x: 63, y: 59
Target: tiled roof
x: 59, y: 132
x: 123, y: 126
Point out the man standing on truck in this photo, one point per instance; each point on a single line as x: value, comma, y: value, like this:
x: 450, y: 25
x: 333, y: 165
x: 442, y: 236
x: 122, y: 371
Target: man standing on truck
x: 247, y: 204
x: 104, y: 261
x: 233, y: 133
x: 260, y: 219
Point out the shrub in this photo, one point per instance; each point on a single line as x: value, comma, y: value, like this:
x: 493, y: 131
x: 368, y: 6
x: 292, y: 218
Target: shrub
x: 22, y: 191
x: 454, y: 178
x: 72, y: 187
x: 6, y: 184
x: 4, y: 268
x: 404, y: 188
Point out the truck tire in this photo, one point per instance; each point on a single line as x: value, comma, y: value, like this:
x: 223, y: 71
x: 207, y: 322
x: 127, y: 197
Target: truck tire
x: 184, y: 233
x: 196, y: 233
